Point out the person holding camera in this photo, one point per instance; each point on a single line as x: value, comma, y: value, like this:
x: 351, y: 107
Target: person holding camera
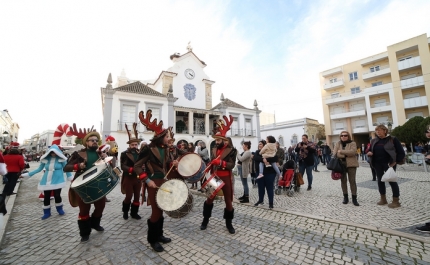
x: 305, y: 151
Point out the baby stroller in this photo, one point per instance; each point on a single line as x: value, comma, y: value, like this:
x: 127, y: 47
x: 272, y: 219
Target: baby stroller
x: 288, y: 183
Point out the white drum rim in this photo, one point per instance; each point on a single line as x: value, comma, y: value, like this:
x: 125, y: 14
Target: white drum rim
x: 186, y: 172
x: 166, y: 201
x: 80, y: 180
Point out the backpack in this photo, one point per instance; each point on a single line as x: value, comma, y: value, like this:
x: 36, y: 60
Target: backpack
x: 402, y: 161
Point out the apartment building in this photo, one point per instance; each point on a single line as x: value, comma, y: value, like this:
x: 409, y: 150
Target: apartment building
x: 390, y: 87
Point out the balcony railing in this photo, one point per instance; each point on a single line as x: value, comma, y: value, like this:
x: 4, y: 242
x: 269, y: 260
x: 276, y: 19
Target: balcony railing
x: 249, y: 132
x: 338, y: 83
x: 199, y: 130
x: 412, y: 82
x: 415, y: 102
x: 140, y: 127
x: 381, y: 71
x: 409, y: 63
x: 236, y: 132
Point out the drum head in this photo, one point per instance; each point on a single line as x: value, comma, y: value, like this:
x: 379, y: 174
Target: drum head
x: 189, y: 165
x: 88, y: 175
x: 172, y: 195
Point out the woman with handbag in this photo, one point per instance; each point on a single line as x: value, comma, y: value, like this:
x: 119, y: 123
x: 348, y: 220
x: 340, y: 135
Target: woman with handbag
x: 385, y: 151
x: 346, y: 150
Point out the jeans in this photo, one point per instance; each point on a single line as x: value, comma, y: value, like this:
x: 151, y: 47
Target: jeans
x: 380, y: 169
x: 245, y: 186
x: 302, y: 168
x: 327, y: 158
x: 316, y: 162
x: 266, y: 184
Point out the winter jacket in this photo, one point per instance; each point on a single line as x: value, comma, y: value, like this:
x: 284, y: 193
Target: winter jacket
x: 348, y: 153
x: 14, y: 163
x: 245, y: 158
x: 54, y: 177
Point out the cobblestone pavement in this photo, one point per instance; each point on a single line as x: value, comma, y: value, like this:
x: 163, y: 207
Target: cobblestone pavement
x: 262, y: 236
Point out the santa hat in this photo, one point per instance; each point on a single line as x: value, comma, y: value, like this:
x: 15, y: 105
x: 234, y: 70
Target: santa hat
x: 14, y: 144
x: 104, y: 148
x: 110, y: 139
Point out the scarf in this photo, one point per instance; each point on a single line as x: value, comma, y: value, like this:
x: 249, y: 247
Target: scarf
x: 304, y: 151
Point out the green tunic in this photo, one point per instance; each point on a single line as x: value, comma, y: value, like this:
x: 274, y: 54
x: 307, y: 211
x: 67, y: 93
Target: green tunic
x: 92, y: 157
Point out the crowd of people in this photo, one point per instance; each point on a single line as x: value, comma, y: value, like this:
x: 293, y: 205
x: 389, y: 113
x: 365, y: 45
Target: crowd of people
x: 145, y: 167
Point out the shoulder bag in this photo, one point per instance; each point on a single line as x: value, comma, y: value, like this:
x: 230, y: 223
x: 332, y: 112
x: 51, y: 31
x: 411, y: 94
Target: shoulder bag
x: 336, y: 165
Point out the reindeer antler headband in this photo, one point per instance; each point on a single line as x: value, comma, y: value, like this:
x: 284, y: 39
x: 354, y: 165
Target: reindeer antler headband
x: 130, y: 137
x: 152, y: 126
x: 223, y: 127
x: 84, y: 134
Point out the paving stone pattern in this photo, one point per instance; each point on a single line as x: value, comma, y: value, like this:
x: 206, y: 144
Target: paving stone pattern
x: 262, y: 236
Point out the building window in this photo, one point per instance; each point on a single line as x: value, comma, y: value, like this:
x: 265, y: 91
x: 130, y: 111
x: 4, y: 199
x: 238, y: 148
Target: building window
x: 294, y: 139
x: 355, y: 90
x: 335, y: 95
x: 405, y: 77
x: 248, y: 128
x: 377, y: 83
x: 333, y: 80
x: 353, y: 76
x: 380, y: 102
x: 281, y: 141
x: 339, y: 126
x: 360, y: 124
x: 374, y: 69
x: 235, y: 131
x: 405, y: 58
x: 412, y: 95
x: 414, y: 114
x: 128, y: 116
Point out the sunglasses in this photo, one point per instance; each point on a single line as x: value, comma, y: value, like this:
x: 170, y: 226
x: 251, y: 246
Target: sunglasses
x: 344, y: 135
x: 93, y: 140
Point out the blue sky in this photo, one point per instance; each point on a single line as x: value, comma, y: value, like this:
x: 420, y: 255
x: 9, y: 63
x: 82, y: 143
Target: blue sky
x: 55, y: 55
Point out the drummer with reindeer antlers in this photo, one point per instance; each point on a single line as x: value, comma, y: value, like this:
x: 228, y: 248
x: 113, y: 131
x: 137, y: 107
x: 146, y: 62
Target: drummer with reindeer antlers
x: 157, y: 159
x: 130, y: 182
x: 80, y: 162
x: 222, y: 166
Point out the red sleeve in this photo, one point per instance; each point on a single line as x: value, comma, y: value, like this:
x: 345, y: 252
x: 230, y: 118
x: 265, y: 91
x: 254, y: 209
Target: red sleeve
x: 75, y: 167
x: 130, y: 170
x: 21, y: 163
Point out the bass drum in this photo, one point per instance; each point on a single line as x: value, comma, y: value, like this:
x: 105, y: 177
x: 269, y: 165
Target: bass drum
x: 95, y: 183
x: 174, y: 198
x: 191, y: 167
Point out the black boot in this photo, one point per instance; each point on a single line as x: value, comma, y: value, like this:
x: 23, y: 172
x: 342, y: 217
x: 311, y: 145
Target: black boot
x: 84, y: 229
x: 153, y: 234
x: 345, y: 199
x: 95, y: 224
x: 241, y: 198
x: 245, y: 199
x: 228, y: 216
x: 354, y: 200
x: 125, y: 209
x: 161, y: 237
x: 133, y: 212
x: 207, y: 213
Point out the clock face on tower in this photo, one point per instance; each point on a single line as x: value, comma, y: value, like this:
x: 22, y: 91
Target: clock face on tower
x: 189, y: 73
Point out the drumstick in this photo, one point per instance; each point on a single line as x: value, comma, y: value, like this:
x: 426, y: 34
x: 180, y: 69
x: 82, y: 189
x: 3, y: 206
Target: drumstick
x: 168, y: 172
x: 210, y: 165
x: 166, y: 190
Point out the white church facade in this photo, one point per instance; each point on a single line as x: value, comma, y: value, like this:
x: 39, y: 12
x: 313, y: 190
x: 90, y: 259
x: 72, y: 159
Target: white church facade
x: 181, y: 96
